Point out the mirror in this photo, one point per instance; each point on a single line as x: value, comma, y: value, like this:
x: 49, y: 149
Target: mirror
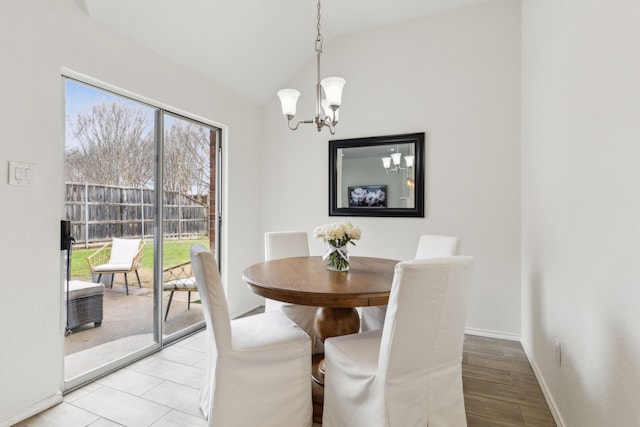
x: 377, y: 176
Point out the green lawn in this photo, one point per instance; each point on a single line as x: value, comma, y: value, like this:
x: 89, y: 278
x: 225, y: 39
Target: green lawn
x: 175, y: 252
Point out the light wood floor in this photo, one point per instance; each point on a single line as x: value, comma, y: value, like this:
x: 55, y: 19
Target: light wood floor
x: 500, y: 388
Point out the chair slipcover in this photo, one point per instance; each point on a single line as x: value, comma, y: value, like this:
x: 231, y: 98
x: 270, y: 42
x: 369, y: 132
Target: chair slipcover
x: 429, y: 246
x: 432, y: 246
x: 410, y: 372
x: 288, y: 244
x: 259, y: 367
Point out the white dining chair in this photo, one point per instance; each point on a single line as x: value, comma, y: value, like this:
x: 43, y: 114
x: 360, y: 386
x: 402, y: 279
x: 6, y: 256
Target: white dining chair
x: 258, y: 368
x: 429, y: 246
x: 409, y: 373
x: 288, y: 244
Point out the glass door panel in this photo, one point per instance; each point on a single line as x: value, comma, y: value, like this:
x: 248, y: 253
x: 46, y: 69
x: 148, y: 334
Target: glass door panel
x: 109, y: 178
x: 189, y: 210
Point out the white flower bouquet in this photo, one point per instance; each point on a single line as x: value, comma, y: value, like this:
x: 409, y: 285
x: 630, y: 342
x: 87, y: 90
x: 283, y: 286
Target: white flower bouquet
x: 337, y: 236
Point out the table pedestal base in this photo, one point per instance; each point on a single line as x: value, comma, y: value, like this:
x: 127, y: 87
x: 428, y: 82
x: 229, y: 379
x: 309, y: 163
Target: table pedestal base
x: 317, y: 392
x: 333, y: 322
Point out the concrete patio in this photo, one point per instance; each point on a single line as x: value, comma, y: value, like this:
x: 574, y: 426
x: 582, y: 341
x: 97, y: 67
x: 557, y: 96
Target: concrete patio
x: 127, y: 325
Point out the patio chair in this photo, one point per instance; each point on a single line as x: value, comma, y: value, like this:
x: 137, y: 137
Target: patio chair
x: 178, y: 278
x: 118, y: 256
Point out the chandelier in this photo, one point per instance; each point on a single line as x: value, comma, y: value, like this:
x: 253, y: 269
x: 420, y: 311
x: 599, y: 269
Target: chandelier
x: 327, y: 108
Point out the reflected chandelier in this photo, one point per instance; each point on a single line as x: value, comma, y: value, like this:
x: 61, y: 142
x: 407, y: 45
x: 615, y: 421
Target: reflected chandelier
x: 396, y: 158
x: 327, y: 108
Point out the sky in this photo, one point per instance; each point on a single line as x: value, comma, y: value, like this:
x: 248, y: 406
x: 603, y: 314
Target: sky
x: 79, y: 98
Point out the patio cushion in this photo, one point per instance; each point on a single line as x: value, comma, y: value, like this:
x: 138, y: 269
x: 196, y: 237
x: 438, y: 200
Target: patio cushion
x: 112, y: 267
x: 80, y: 289
x: 184, y: 284
x: 123, y: 251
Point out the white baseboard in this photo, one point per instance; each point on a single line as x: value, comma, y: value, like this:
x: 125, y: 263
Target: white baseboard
x: 545, y: 390
x: 32, y: 410
x: 492, y: 334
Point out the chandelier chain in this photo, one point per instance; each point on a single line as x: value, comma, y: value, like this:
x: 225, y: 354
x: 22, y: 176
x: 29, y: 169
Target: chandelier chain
x: 319, y: 39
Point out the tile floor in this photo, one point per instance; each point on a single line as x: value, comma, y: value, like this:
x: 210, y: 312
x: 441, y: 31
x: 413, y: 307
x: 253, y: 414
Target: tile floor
x: 163, y: 389
x: 160, y: 390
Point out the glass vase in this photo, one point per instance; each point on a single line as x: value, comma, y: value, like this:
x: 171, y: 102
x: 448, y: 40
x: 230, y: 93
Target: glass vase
x: 338, y: 258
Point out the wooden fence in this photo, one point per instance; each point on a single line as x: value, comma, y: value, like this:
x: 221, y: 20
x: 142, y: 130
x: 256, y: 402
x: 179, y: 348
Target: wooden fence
x: 100, y: 212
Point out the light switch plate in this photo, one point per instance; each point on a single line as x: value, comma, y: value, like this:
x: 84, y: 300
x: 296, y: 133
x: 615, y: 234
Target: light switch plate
x: 22, y: 174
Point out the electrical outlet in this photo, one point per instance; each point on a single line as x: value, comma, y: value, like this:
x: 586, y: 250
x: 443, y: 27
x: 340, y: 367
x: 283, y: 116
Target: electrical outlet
x: 558, y: 353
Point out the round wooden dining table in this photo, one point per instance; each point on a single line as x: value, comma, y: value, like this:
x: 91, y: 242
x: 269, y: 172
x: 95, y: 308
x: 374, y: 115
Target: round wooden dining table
x: 306, y: 281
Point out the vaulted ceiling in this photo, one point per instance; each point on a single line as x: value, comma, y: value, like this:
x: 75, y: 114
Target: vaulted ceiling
x: 251, y: 47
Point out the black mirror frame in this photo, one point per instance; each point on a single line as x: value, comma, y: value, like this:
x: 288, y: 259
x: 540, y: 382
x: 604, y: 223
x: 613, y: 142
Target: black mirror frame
x: 411, y: 138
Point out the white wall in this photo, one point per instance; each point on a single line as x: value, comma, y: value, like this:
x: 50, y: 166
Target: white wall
x: 455, y: 76
x: 37, y: 39
x: 580, y: 204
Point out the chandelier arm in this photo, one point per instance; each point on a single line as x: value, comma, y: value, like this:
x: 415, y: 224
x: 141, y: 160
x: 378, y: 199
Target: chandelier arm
x: 332, y: 119
x: 326, y: 121
x: 298, y: 124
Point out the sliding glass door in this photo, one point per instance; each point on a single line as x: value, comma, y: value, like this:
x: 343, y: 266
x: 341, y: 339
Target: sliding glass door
x: 140, y: 190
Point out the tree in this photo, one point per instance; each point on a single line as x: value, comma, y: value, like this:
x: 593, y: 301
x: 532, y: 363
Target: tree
x: 115, y: 146
x: 186, y: 158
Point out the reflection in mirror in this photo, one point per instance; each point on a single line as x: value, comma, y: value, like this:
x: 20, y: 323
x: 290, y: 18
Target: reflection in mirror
x: 379, y: 176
